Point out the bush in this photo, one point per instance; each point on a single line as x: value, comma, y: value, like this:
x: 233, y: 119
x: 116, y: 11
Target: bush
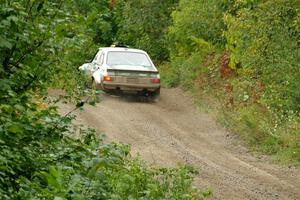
x: 263, y: 42
x: 195, y: 20
x: 145, y: 25
x: 91, y: 169
x: 42, y: 156
x: 255, y: 78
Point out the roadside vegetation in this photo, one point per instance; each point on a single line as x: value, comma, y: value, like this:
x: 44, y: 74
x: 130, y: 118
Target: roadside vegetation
x: 42, y: 155
x: 239, y: 57
x: 246, y: 57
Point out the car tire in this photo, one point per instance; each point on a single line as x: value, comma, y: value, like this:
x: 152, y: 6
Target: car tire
x: 155, y: 95
x: 96, y: 86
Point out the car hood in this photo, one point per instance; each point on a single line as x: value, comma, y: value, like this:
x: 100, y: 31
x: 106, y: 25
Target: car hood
x: 132, y: 68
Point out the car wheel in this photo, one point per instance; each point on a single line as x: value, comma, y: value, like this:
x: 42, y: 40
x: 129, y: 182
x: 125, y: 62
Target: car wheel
x: 156, y: 93
x: 154, y: 96
x: 96, y: 86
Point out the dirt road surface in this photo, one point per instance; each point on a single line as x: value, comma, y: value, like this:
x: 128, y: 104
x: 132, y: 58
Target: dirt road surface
x: 172, y: 131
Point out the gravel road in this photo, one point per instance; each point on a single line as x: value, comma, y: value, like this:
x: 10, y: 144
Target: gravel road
x: 172, y: 131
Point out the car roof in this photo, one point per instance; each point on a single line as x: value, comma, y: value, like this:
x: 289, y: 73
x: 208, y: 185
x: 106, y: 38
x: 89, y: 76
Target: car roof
x: 121, y: 49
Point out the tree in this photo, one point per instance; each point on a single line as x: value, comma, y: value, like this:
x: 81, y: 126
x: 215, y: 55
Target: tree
x: 145, y: 26
x: 263, y: 42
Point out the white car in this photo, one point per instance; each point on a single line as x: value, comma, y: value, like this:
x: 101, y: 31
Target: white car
x: 124, y: 69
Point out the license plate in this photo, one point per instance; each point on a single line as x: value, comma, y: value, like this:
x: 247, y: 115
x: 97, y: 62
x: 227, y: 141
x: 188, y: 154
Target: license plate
x: 132, y: 80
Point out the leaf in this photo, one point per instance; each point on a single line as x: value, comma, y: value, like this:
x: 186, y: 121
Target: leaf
x: 19, y: 107
x: 50, y: 180
x: 54, y: 177
x: 59, y: 198
x: 97, y: 163
x: 13, y: 18
x: 5, y: 43
x: 15, y: 128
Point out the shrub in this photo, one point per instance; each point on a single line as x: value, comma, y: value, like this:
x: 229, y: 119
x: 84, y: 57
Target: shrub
x: 41, y: 155
x: 195, y: 22
x: 145, y: 25
x: 263, y: 41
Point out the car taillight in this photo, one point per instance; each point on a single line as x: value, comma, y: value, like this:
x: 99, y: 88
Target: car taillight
x: 107, y: 78
x: 155, y: 80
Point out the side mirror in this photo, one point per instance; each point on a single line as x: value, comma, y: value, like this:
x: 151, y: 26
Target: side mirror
x: 95, y: 68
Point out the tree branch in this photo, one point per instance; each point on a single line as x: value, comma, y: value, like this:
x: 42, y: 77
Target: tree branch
x: 29, y: 51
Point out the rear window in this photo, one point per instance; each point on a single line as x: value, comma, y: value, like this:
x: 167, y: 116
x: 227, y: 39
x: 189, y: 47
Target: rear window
x: 128, y: 58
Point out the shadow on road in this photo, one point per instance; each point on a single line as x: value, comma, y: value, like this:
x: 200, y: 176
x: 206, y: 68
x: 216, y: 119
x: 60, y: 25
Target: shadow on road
x: 134, y: 98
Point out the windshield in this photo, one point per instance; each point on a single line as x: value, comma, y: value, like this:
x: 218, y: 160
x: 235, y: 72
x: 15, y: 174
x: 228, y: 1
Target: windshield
x: 128, y: 58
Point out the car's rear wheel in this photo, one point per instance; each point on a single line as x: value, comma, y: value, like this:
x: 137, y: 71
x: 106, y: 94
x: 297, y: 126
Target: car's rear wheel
x: 150, y: 95
x: 156, y: 92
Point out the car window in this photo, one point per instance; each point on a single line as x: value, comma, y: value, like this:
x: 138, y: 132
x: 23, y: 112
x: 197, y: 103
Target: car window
x: 97, y: 57
x: 129, y: 58
x: 100, y: 59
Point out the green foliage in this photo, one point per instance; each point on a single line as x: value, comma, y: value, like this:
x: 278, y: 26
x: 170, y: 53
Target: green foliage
x: 195, y: 20
x: 259, y: 99
x: 42, y: 155
x: 185, y: 71
x: 265, y: 131
x: 94, y: 170
x: 100, y: 19
x: 263, y: 42
x: 145, y: 25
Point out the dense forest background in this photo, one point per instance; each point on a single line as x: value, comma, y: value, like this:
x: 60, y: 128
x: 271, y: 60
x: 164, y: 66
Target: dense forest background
x: 239, y: 57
